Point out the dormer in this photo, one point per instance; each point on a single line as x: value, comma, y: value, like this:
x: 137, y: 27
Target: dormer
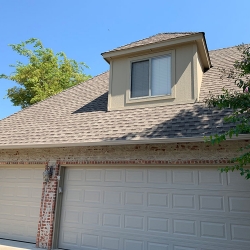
x: 165, y: 69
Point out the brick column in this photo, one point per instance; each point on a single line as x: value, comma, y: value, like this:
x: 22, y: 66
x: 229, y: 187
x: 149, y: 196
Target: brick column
x: 47, y: 209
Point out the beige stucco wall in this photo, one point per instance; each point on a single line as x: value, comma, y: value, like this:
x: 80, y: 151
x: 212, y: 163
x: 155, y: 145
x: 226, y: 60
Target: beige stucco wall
x: 199, y: 73
x: 182, y: 75
x: 164, y: 152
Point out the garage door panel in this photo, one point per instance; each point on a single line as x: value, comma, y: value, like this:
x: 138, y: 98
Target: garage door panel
x: 34, y: 212
x: 21, y: 174
x: 20, y: 199
x: 240, y: 232
x: 235, y: 180
x: 10, y: 209
x: 20, y: 193
x: 73, y: 194
x: 154, y: 208
x: 239, y: 204
x: 114, y: 175
x: 11, y: 173
x: 161, y: 200
x: 23, y: 191
x: 181, y: 226
x: 210, y: 179
x: 6, y: 228
x: 13, y: 229
x: 31, y: 232
x: 36, y: 192
x: 94, y: 239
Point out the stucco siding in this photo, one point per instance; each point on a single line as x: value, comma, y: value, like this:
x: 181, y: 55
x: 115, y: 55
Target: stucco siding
x: 199, y: 73
x: 182, y: 78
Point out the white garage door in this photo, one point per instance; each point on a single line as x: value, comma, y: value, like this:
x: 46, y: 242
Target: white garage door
x: 154, y: 209
x: 20, y: 198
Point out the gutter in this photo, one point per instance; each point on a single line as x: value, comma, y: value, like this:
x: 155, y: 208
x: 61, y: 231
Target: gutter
x: 117, y: 142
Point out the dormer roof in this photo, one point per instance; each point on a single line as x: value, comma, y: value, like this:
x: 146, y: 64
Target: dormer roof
x: 160, y: 37
x: 162, y: 40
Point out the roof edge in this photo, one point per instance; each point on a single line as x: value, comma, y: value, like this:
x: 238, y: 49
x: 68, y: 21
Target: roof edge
x: 118, y: 142
x: 161, y: 33
x: 190, y: 37
x: 206, y: 51
x: 199, y: 36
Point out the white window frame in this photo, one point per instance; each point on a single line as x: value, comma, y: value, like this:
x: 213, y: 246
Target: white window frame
x: 130, y: 99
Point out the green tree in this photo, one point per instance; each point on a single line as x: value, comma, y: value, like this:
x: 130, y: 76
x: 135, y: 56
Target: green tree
x: 238, y: 100
x: 44, y: 75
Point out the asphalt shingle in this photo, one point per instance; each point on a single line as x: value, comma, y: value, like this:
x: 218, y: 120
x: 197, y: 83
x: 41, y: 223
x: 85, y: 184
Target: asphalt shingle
x: 161, y: 37
x: 80, y: 114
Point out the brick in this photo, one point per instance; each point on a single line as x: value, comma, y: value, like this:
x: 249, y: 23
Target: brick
x: 47, y: 210
x: 165, y: 154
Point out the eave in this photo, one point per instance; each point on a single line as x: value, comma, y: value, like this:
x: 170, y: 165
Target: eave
x: 116, y: 142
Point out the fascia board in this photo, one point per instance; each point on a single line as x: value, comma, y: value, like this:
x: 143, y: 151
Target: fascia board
x: 204, y: 54
x: 117, y: 142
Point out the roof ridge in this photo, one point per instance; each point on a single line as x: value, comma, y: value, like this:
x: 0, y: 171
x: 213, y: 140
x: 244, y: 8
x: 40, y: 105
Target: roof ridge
x: 52, y: 96
x: 181, y: 32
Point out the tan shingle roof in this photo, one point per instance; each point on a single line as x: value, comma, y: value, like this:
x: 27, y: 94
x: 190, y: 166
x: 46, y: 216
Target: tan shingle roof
x: 154, y: 39
x: 79, y: 114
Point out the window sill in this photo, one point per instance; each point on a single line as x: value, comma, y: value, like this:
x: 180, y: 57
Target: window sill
x: 149, y: 98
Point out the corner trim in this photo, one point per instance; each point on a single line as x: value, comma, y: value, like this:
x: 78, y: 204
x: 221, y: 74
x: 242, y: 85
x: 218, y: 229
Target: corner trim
x: 58, y: 208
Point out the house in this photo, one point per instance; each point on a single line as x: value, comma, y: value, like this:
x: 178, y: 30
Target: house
x: 130, y: 169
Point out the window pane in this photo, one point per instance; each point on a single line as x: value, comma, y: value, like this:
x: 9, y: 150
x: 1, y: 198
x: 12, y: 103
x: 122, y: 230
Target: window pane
x: 161, y: 76
x: 140, y: 79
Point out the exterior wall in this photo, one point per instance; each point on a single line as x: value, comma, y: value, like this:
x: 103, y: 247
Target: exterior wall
x: 161, y: 154
x: 174, y: 153
x: 183, y: 73
x: 199, y: 73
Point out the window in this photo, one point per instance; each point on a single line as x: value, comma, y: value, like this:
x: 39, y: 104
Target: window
x: 151, y: 77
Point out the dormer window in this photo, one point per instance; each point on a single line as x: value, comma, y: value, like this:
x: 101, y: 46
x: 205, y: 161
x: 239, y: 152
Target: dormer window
x: 151, y: 77
x: 162, y: 70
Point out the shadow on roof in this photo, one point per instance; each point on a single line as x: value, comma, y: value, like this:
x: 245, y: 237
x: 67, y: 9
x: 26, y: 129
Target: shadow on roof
x: 198, y: 122
x: 98, y: 104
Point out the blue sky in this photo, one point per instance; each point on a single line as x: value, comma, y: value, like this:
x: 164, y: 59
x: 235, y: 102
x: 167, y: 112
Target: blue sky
x: 84, y: 29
